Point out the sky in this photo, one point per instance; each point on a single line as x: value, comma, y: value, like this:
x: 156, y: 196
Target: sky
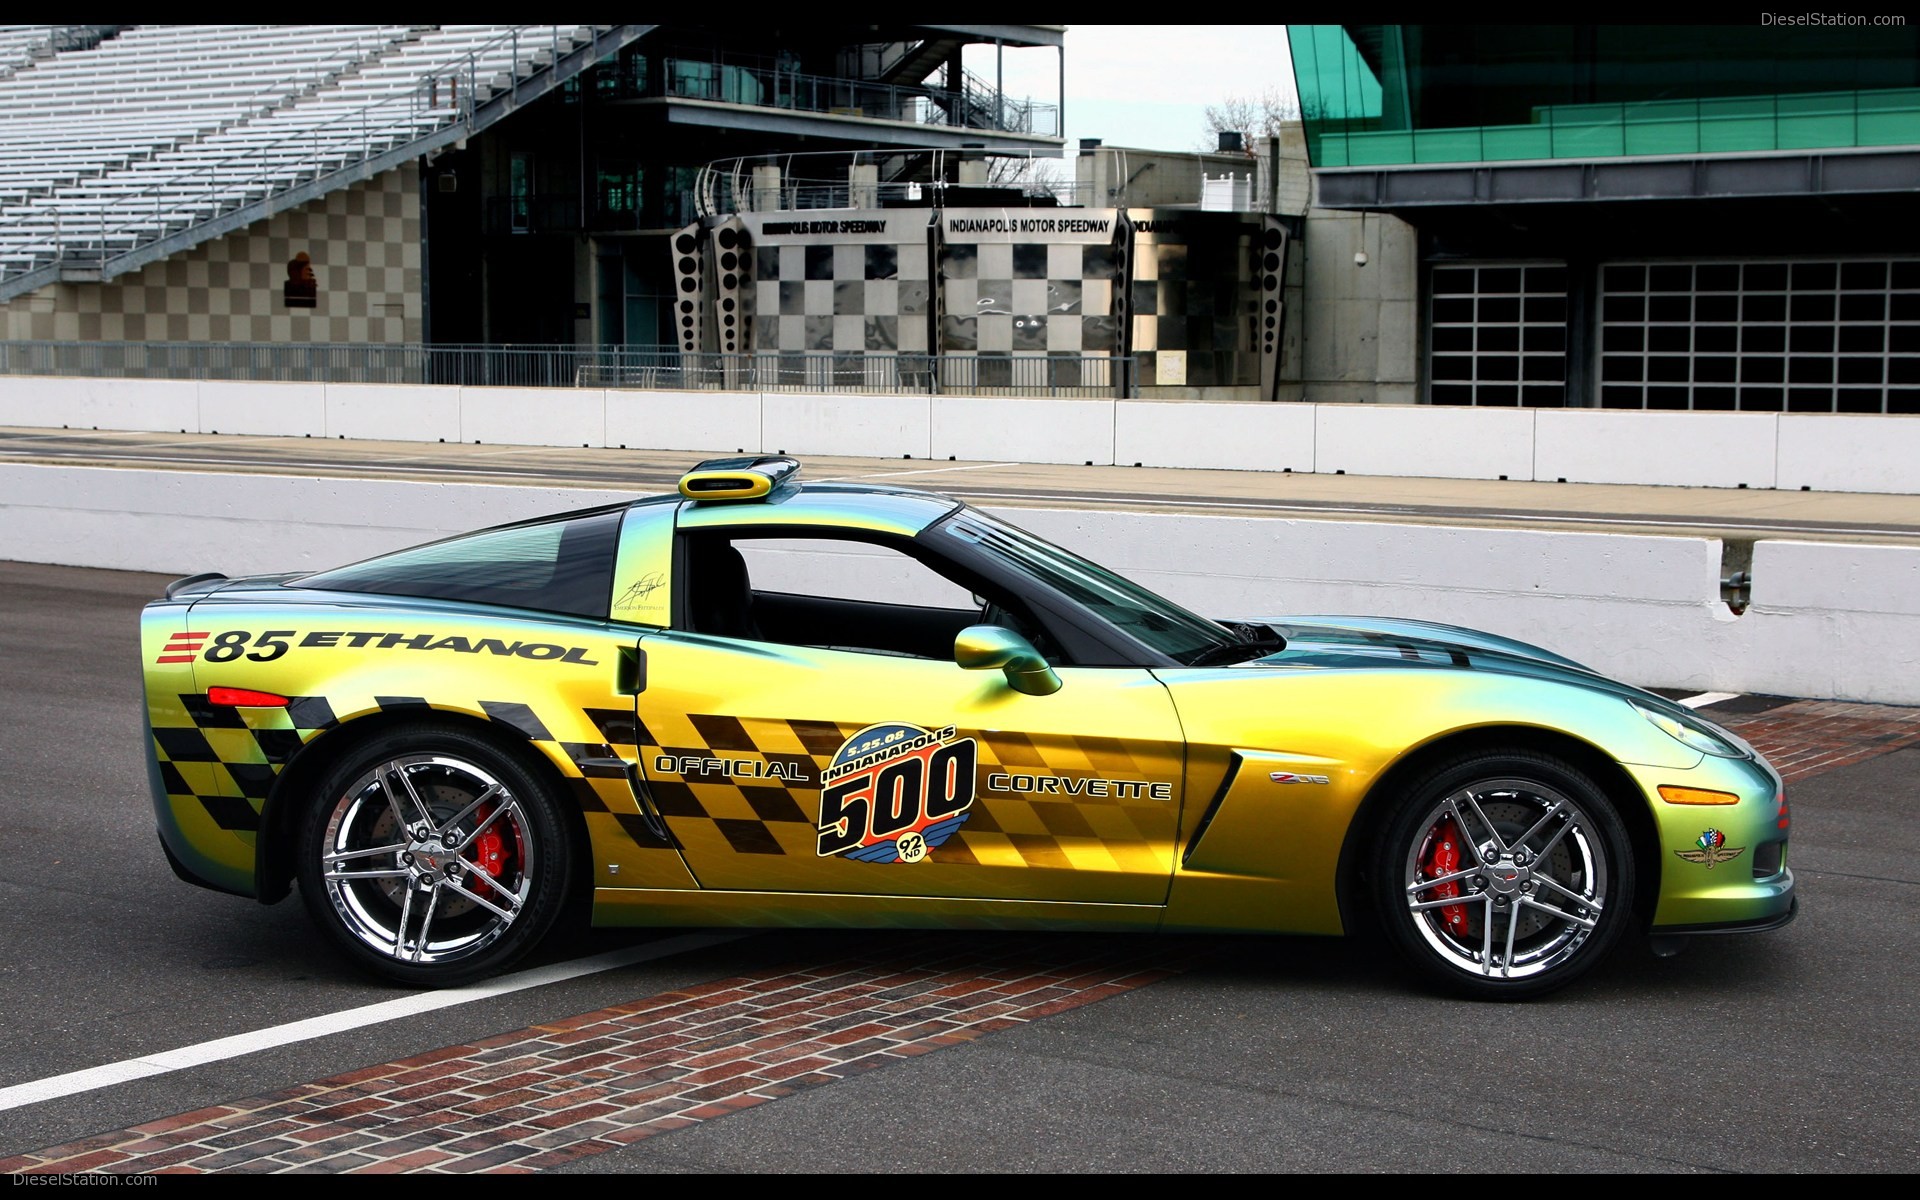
x: 1146, y: 86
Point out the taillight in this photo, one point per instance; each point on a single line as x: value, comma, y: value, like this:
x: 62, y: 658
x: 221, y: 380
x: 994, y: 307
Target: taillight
x: 232, y: 697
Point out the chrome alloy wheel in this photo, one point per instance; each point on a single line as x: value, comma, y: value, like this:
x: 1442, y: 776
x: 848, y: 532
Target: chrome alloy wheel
x: 428, y: 858
x: 1508, y: 879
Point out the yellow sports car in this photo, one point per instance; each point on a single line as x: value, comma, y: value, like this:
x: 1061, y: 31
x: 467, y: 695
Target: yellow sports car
x: 768, y: 702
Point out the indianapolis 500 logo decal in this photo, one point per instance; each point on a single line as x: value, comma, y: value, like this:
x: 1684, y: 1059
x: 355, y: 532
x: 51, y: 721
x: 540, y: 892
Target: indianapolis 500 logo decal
x: 895, y: 791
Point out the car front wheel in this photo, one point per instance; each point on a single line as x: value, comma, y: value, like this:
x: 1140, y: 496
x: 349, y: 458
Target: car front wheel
x: 432, y: 857
x: 1504, y: 875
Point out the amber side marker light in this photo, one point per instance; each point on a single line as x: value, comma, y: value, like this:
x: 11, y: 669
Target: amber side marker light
x: 1687, y: 795
x: 230, y: 697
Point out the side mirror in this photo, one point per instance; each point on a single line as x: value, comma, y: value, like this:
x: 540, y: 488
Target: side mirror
x: 987, y: 647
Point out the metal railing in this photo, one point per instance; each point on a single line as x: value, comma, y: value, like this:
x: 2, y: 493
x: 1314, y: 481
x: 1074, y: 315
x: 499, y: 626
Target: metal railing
x: 733, y: 193
x: 791, y: 371
x: 903, y: 177
x: 643, y: 368
x: 970, y: 105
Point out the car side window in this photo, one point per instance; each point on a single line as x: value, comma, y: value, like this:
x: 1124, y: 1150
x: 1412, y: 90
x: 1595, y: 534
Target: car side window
x: 560, y: 566
x: 850, y: 570
x: 829, y: 592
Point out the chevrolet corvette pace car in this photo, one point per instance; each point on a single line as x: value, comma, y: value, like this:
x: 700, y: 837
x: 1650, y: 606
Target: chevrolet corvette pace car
x: 768, y: 702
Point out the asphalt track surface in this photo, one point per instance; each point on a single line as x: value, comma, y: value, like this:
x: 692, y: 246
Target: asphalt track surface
x: 1741, y: 514
x: 1792, y: 1051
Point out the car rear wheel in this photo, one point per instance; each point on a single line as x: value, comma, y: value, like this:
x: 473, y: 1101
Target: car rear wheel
x: 1504, y: 875
x: 433, y: 857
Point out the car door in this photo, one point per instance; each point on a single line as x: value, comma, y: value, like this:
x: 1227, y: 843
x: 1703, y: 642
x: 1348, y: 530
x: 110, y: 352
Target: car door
x: 845, y: 769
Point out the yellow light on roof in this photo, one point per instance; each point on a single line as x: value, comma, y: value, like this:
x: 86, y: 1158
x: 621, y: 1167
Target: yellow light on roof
x: 1687, y: 795
x: 746, y: 478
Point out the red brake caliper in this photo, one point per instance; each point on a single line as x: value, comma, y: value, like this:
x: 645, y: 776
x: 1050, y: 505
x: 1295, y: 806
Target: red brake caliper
x: 489, y: 851
x: 1444, y: 859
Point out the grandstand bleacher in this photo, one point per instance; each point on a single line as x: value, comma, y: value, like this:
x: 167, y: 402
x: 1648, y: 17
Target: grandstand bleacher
x: 147, y: 132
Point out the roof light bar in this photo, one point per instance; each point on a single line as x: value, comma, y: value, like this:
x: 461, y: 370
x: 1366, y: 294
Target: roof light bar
x: 745, y: 478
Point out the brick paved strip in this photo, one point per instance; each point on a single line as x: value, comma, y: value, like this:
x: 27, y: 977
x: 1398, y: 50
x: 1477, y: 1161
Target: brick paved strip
x: 1807, y: 737
x: 543, y: 1096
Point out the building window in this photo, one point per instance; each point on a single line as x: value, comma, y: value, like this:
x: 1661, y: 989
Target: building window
x: 1497, y: 335
x: 1808, y: 336
x: 520, y: 189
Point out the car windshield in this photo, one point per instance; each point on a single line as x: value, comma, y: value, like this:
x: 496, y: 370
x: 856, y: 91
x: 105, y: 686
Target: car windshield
x: 1160, y: 623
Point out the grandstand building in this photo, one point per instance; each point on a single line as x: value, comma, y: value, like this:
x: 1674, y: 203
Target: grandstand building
x: 444, y: 183
x: 1622, y: 217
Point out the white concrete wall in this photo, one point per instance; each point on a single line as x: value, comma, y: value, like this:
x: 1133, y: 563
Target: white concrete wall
x: 158, y: 405
x: 994, y: 429
x: 1684, y: 449
x: 859, y: 425
x: 1633, y: 606
x: 1830, y: 453
x: 534, y: 416
x: 392, y: 412
x: 289, y: 410
x: 191, y: 521
x: 724, y: 421
x: 1827, y: 620
x: 1238, y: 437
x: 1402, y: 440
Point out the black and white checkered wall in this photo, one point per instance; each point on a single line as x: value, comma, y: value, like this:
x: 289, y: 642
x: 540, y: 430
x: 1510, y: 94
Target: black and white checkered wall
x: 1002, y: 283
x: 841, y: 297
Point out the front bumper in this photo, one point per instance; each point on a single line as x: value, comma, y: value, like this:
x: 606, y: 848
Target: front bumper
x: 1722, y: 868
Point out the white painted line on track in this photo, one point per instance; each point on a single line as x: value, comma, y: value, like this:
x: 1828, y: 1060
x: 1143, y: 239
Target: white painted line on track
x: 93, y: 1078
x: 1706, y: 698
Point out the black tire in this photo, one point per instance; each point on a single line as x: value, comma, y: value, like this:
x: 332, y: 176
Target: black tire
x: 1538, y: 858
x: 455, y: 891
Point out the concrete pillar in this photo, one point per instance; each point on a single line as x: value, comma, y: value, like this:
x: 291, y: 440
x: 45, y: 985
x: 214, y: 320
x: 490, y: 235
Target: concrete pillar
x: 766, y: 188
x: 863, y: 185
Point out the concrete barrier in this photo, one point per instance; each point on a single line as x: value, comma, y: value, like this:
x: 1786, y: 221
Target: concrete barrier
x: 1237, y: 437
x: 1633, y: 606
x: 1680, y: 449
x: 992, y: 428
x: 1444, y: 443
x: 394, y: 412
x: 154, y: 405
x: 1684, y: 449
x: 289, y: 410
x: 723, y: 421
x: 1832, y: 453
x: 187, y: 521
x: 1827, y: 620
x: 533, y: 416
x: 1831, y: 619
x: 859, y: 425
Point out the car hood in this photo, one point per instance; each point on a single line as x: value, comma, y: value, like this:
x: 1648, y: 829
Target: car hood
x: 1372, y: 643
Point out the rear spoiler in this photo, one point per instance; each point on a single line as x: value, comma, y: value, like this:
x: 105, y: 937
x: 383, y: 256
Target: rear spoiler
x: 194, y: 583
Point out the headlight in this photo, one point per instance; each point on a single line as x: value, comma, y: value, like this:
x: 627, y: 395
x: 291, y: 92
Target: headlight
x: 1696, y: 734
